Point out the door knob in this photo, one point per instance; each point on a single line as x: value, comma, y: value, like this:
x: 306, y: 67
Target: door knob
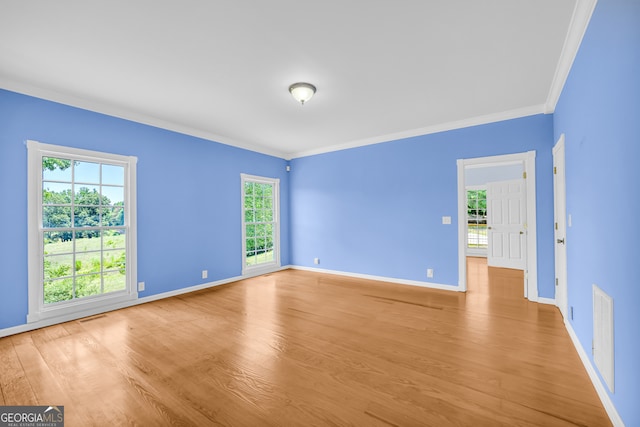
x: 560, y: 241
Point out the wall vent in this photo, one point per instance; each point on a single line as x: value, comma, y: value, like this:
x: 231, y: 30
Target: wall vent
x: 603, y: 335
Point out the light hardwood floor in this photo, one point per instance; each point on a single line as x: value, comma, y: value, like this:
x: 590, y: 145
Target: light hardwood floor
x: 302, y: 348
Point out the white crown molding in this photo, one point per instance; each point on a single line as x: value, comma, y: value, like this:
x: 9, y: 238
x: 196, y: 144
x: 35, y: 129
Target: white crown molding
x: 122, y: 113
x: 443, y: 127
x: 577, y: 28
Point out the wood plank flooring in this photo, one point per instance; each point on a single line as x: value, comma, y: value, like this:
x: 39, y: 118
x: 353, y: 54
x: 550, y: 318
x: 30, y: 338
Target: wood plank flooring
x: 298, y: 348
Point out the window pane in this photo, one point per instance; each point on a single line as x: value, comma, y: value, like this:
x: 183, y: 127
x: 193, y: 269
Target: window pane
x: 248, y: 188
x: 259, y: 190
x: 58, y: 242
x: 86, y: 241
x: 58, y: 290
x: 112, y: 195
x: 268, y: 215
x: 114, y: 260
x: 88, y: 262
x: 115, y: 281
x: 112, y: 217
x: 268, y: 191
x: 249, y: 215
x: 87, y: 195
x: 87, y: 172
x: 56, y: 217
x: 88, y: 285
x: 267, y: 256
x: 56, y: 193
x: 112, y: 174
x: 250, y: 230
x: 56, y: 266
x: 55, y: 169
x: 86, y: 216
x: 251, y: 244
x: 113, y: 239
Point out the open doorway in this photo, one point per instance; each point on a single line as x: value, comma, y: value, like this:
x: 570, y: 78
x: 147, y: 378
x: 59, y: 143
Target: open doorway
x: 493, y: 169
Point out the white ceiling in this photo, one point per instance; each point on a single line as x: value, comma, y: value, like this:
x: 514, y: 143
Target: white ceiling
x: 220, y: 69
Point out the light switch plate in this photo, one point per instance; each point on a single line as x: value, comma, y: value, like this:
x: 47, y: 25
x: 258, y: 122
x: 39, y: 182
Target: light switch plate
x: 446, y: 220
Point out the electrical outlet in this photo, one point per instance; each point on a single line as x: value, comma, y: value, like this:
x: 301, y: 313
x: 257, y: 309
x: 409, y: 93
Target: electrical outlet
x: 430, y: 273
x: 571, y: 312
x: 205, y: 274
x: 316, y: 261
x: 140, y: 286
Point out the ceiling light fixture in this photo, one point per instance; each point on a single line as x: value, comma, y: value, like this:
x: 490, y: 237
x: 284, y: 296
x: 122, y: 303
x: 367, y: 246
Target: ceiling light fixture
x: 302, y: 92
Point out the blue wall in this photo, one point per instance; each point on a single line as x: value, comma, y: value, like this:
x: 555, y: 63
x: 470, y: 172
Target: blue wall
x: 378, y: 209
x: 186, y: 187
x: 599, y: 113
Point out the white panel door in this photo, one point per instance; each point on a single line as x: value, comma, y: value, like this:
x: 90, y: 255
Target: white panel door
x: 506, y: 218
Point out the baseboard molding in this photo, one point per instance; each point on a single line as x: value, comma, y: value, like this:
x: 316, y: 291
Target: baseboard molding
x: 550, y: 301
x: 595, y: 378
x: 380, y: 278
x: 87, y: 313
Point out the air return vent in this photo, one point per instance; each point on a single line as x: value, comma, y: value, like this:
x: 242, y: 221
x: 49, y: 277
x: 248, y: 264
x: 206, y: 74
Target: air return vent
x: 603, y: 334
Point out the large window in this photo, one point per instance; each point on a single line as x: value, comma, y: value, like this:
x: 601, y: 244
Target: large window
x: 260, y: 228
x: 477, y: 220
x: 82, y: 230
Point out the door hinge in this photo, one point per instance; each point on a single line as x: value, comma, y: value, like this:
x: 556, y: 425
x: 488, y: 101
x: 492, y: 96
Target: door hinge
x: 555, y: 170
x: 524, y: 175
x: 556, y: 281
x: 556, y: 225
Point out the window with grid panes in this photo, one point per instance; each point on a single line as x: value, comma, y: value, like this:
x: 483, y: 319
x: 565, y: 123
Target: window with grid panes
x: 260, y: 222
x: 83, y: 227
x: 477, y: 219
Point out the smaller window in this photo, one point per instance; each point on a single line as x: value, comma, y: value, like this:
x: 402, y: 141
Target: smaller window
x: 477, y: 219
x: 260, y: 223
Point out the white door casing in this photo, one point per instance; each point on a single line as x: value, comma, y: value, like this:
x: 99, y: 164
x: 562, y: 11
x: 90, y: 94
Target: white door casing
x: 528, y: 159
x: 506, y: 219
x: 560, y: 225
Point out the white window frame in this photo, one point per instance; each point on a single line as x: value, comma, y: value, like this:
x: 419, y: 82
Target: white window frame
x: 265, y: 266
x: 38, y: 310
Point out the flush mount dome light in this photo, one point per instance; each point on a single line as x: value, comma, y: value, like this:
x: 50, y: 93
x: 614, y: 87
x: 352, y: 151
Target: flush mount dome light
x: 302, y: 92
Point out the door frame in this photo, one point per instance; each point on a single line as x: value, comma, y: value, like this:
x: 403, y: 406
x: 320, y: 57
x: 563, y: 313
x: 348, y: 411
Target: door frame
x: 528, y: 160
x: 560, y: 228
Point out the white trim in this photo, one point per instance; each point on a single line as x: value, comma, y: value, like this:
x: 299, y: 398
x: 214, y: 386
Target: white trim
x: 38, y: 310
x: 560, y: 219
x: 549, y: 301
x: 437, y: 128
x: 125, y: 114
x: 615, y: 418
x: 528, y: 159
x: 267, y: 266
x: 87, y: 313
x: 379, y: 278
x: 577, y: 28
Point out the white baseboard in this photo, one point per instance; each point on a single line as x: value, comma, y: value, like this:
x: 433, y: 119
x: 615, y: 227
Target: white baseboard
x: 595, y: 379
x: 550, y: 301
x: 92, y: 312
x: 380, y: 278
